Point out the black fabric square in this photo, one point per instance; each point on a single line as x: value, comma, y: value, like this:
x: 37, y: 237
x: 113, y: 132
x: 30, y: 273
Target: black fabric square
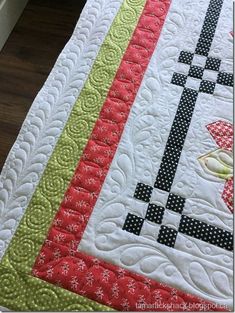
x: 203, y: 46
x: 175, y: 203
x: 225, y: 79
x: 207, y: 86
x: 167, y: 236
x: 212, y: 64
x: 179, y: 79
x: 155, y: 213
x: 133, y: 224
x: 143, y: 192
x: 185, y: 57
x: 196, y: 71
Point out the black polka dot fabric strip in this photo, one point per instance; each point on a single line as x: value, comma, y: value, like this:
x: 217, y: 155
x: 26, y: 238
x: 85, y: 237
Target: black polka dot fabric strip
x: 176, y: 140
x: 209, y: 27
x: 208, y: 233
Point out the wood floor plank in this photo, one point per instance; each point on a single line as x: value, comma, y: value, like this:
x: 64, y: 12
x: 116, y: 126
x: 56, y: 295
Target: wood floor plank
x: 28, y: 57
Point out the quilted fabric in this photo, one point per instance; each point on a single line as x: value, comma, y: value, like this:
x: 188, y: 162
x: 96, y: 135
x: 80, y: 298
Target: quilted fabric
x: 49, y: 112
x: 131, y: 208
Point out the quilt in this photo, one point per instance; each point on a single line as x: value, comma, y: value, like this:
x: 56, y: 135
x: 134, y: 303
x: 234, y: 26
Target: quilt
x: 118, y: 192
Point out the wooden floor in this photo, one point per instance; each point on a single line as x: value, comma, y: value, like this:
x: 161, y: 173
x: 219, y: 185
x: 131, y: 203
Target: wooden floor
x: 27, y: 58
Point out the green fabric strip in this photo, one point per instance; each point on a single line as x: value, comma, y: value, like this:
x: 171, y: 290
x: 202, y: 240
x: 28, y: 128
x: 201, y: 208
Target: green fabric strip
x: 22, y: 292
x: 30, y: 235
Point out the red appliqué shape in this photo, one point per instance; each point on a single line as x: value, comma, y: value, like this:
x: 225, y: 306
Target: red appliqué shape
x: 222, y: 132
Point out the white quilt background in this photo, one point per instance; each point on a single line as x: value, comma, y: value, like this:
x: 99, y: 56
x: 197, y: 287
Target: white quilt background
x: 192, y: 265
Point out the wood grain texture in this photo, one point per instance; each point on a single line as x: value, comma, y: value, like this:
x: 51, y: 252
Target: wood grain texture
x: 28, y: 57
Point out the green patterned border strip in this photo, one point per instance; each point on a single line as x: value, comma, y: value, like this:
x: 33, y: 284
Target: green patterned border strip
x: 30, y: 235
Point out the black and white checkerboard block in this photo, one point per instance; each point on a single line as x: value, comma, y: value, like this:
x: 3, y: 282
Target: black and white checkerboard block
x: 197, y: 71
x: 193, y: 59
x: 143, y: 192
x: 199, y: 65
x: 205, y: 232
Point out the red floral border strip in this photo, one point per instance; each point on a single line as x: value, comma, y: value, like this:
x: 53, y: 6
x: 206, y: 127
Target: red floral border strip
x: 59, y: 262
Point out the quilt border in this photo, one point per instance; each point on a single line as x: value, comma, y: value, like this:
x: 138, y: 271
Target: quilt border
x: 30, y: 234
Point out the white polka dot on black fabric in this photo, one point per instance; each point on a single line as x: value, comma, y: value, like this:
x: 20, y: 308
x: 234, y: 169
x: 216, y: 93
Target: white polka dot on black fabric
x: 143, y: 192
x: 196, y: 71
x: 207, y: 86
x: 175, y: 203
x: 212, y: 64
x: 225, y: 79
x: 203, y: 46
x: 155, y: 213
x: 209, y: 27
x: 176, y: 140
x: 206, y: 232
x: 167, y: 236
x: 185, y: 57
x: 133, y: 224
x: 179, y: 79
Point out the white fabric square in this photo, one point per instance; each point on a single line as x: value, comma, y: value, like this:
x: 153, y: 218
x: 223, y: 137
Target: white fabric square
x: 159, y: 197
x: 210, y: 75
x: 150, y: 230
x: 193, y: 83
x: 171, y: 219
x: 183, y: 68
x: 199, y: 60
